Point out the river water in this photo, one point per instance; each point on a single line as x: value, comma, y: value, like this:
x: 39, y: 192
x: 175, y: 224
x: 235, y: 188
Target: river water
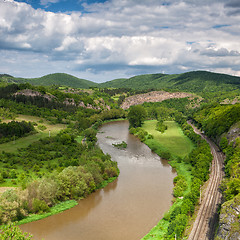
x: 124, y: 210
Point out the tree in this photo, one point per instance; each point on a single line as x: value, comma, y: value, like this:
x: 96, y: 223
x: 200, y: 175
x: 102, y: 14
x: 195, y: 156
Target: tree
x: 136, y: 116
x: 11, y: 232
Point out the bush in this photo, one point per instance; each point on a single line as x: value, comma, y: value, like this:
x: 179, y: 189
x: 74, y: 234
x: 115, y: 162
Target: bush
x: 41, y: 127
x: 12, y: 232
x: 74, y: 183
x: 39, y: 206
x: 161, y: 127
x: 180, y: 186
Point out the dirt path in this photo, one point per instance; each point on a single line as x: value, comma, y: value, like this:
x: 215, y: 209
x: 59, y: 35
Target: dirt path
x: 205, y: 223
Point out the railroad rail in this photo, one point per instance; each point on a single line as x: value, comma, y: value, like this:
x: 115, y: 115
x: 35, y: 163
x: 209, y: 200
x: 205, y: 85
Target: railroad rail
x: 204, y: 225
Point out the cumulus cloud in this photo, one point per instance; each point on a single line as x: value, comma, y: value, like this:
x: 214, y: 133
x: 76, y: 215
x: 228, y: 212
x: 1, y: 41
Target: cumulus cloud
x: 124, y: 37
x: 222, y: 52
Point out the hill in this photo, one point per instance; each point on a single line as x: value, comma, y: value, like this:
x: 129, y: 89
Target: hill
x: 197, y: 81
x: 61, y: 79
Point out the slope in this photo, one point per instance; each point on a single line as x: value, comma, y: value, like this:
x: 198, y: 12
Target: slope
x: 197, y: 81
x: 61, y: 79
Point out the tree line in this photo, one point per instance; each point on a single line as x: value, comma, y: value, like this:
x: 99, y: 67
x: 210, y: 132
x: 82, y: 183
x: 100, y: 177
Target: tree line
x: 14, y: 129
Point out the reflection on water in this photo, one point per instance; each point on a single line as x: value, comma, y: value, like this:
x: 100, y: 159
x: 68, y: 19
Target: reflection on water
x: 128, y: 207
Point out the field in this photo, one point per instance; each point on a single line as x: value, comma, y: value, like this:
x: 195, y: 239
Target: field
x: 178, y: 145
x: 172, y: 140
x: 25, y: 141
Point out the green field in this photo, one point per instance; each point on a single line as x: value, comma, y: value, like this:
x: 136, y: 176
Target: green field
x: 178, y: 145
x: 172, y: 140
x: 25, y: 141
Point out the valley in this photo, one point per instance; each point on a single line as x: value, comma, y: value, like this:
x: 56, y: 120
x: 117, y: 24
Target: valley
x: 51, y: 155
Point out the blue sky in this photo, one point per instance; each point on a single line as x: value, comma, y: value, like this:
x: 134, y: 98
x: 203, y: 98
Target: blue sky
x: 64, y: 6
x: 104, y: 40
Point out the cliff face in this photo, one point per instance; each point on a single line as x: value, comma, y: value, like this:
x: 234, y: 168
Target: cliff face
x: 155, y: 96
x: 229, y: 221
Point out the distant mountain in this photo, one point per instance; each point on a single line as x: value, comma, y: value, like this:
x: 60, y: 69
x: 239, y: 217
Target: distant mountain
x: 196, y: 81
x: 61, y: 79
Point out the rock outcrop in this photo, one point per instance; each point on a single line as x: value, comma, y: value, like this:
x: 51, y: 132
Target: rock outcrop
x: 229, y: 221
x: 32, y: 93
x: 155, y: 96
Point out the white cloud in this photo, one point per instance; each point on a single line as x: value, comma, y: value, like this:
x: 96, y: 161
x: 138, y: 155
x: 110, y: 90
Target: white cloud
x: 123, y: 37
x: 47, y: 2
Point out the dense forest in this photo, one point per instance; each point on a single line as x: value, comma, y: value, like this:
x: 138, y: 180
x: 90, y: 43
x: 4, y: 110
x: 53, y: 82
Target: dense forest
x: 196, y: 81
x: 69, y: 164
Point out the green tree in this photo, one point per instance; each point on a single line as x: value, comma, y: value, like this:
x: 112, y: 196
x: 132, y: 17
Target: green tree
x: 136, y: 116
x: 12, y: 232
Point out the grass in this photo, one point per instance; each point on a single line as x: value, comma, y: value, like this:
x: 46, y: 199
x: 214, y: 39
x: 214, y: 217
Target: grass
x: 25, y: 141
x: 178, y: 145
x: 54, y: 210
x: 172, y: 140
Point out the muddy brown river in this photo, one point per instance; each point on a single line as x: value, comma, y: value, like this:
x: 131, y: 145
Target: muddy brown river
x: 124, y: 210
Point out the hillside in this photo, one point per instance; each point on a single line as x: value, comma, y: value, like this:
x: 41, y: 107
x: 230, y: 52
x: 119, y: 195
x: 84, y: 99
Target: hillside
x: 155, y: 96
x: 197, y: 81
x: 61, y: 79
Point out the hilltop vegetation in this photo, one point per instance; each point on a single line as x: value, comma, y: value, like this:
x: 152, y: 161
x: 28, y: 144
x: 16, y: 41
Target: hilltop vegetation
x: 59, y: 79
x: 196, y: 81
x: 62, y: 79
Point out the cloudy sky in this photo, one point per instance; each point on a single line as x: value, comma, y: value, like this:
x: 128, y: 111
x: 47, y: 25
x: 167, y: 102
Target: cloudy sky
x: 101, y: 40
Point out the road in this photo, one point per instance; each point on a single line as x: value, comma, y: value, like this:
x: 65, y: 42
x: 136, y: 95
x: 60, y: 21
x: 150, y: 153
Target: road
x: 204, y: 225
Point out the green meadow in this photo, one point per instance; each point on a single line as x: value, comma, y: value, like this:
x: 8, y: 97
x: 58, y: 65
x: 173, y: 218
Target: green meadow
x: 44, y: 128
x: 172, y: 140
x: 178, y: 145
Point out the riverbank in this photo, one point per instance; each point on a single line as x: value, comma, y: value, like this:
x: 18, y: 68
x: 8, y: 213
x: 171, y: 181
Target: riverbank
x: 128, y: 207
x: 61, y: 185
x: 60, y: 207
x: 174, y: 142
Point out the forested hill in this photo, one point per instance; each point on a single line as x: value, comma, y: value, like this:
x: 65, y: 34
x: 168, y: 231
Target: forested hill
x: 197, y: 81
x: 60, y: 79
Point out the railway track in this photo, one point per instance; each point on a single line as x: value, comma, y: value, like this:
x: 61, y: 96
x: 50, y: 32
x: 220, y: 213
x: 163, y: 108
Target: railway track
x: 204, y: 225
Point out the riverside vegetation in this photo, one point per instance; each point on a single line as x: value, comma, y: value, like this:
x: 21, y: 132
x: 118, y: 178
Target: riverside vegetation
x: 42, y: 170
x: 191, y: 160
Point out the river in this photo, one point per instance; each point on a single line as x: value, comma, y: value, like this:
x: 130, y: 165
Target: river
x: 124, y: 210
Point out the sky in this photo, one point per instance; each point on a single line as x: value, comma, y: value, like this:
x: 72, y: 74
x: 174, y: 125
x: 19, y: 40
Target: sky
x: 101, y: 40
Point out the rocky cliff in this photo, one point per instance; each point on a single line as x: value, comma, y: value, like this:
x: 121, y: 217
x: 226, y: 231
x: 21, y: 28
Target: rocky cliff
x: 155, y: 96
x: 229, y: 220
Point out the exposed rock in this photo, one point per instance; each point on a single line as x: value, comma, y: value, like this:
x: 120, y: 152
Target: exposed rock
x: 155, y: 96
x: 69, y: 101
x: 228, y: 101
x: 233, y: 133
x: 99, y: 104
x: 32, y: 93
x: 229, y: 222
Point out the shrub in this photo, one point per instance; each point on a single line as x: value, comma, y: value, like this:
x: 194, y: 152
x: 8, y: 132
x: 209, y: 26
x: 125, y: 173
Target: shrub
x: 12, y: 232
x: 39, y: 206
x: 41, y: 127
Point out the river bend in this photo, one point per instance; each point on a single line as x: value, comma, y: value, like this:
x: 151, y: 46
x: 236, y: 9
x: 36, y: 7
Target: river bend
x: 124, y: 210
